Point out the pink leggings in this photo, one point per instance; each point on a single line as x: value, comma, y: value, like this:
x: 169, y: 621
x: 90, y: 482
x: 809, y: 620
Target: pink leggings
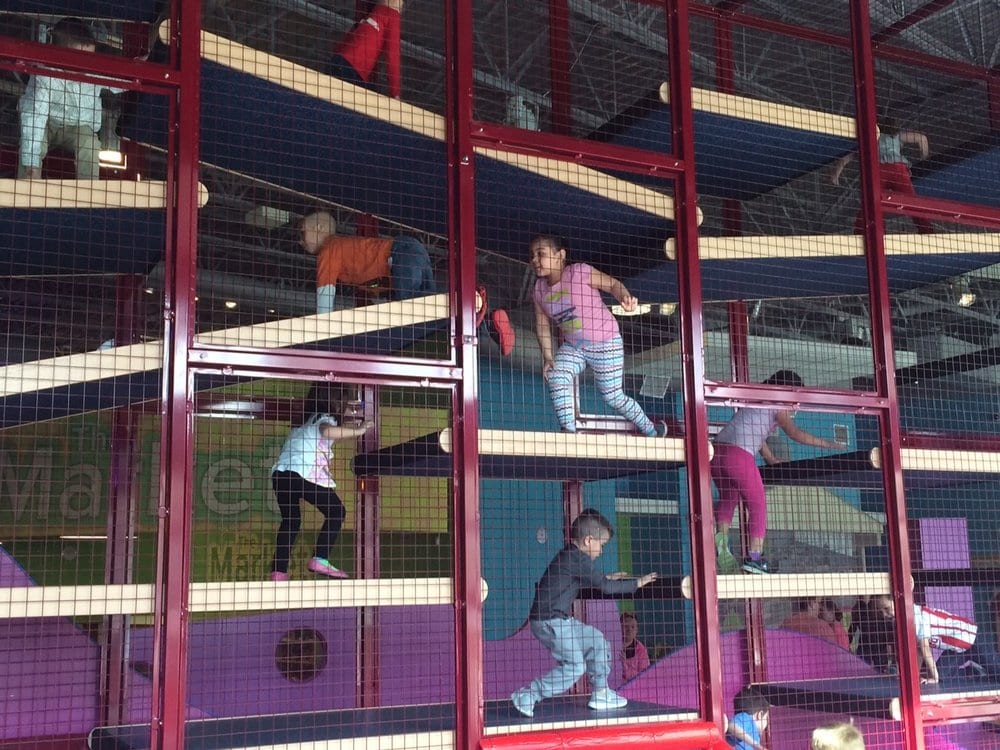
x: 735, y: 474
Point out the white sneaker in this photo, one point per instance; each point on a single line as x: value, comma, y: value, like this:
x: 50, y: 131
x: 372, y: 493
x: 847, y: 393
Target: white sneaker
x: 524, y: 702
x: 606, y: 699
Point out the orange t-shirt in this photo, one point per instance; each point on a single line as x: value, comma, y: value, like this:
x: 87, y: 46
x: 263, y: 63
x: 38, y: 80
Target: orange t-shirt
x: 353, y: 260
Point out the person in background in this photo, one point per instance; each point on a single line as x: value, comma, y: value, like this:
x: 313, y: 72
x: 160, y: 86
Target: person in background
x: 839, y: 736
x: 830, y: 613
x: 375, y: 35
x: 806, y: 620
x: 61, y: 112
x: 953, y: 635
x: 751, y: 713
x: 894, y: 167
x: 635, y: 657
x: 872, y: 634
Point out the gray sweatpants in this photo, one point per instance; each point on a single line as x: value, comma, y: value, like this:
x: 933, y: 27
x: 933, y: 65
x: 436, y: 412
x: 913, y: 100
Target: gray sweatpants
x: 577, y: 649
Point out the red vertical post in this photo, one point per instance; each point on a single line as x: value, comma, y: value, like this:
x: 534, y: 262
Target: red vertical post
x: 732, y: 209
x: 702, y: 531
x: 368, y: 559
x: 993, y: 96
x: 559, y: 72
x: 366, y: 225
x: 121, y: 517
x: 172, y: 577
x: 755, y: 644
x: 572, y: 492
x: 885, y: 372
x: 467, y: 563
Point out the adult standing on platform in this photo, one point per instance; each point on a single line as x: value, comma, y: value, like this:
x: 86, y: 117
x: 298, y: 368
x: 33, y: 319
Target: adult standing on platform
x: 377, y: 34
x: 62, y: 112
x: 735, y: 473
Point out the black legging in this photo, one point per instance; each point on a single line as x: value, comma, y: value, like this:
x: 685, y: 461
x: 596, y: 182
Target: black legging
x: 289, y: 488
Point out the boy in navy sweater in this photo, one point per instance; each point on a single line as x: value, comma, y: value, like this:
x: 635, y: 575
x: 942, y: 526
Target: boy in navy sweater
x: 577, y: 648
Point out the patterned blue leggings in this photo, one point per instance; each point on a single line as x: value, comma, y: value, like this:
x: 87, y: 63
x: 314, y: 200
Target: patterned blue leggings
x: 607, y: 360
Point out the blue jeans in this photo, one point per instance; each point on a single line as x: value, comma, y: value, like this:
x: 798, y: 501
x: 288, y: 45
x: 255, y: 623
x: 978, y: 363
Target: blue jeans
x: 412, y: 275
x: 577, y: 649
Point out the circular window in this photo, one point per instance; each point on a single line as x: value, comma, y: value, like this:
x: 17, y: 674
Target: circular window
x: 301, y: 654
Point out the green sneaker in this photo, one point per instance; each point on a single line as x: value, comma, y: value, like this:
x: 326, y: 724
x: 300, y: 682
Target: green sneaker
x: 725, y: 562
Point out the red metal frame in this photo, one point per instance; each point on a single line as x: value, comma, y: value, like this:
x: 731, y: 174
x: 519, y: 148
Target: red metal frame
x: 923, y: 12
x: 706, y: 614
x: 469, y: 697
x: 180, y: 80
x: 888, y: 418
x: 33, y: 57
x: 177, y: 439
x: 939, y: 209
x: 883, y: 51
x: 559, y: 69
x: 589, y: 153
x: 120, y: 548
x: 367, y: 558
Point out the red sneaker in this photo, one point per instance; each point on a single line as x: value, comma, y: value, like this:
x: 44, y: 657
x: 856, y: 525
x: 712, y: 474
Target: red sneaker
x: 502, y: 331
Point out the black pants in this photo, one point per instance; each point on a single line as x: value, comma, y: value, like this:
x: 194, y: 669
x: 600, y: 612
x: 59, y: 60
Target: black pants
x: 289, y: 488
x: 338, y: 67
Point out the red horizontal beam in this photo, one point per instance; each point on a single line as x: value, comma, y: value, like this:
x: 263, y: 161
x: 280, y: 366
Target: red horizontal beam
x: 347, y: 368
x: 922, y: 13
x: 589, y: 153
x: 944, y: 711
x: 957, y: 441
x: 95, y: 67
x: 938, y: 209
x: 738, y: 394
x: 883, y: 51
x: 682, y: 734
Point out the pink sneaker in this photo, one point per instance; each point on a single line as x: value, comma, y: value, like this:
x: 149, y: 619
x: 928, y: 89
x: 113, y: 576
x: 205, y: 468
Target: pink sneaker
x: 277, y: 575
x: 325, y: 568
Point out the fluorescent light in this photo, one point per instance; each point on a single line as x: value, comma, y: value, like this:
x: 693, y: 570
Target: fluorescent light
x: 230, y: 304
x: 112, y: 159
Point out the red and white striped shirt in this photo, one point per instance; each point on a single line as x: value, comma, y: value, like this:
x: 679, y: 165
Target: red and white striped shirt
x: 944, y: 630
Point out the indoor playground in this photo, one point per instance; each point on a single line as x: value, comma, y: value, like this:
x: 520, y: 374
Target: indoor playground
x: 422, y: 374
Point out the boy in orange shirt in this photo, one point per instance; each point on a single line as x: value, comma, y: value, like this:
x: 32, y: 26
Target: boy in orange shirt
x: 362, y: 260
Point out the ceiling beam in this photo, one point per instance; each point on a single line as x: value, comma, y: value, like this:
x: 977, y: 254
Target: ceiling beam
x: 923, y: 12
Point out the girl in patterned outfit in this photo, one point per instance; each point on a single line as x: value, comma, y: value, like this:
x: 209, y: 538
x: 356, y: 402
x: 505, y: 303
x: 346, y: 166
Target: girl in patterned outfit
x: 735, y: 473
x: 570, y: 297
